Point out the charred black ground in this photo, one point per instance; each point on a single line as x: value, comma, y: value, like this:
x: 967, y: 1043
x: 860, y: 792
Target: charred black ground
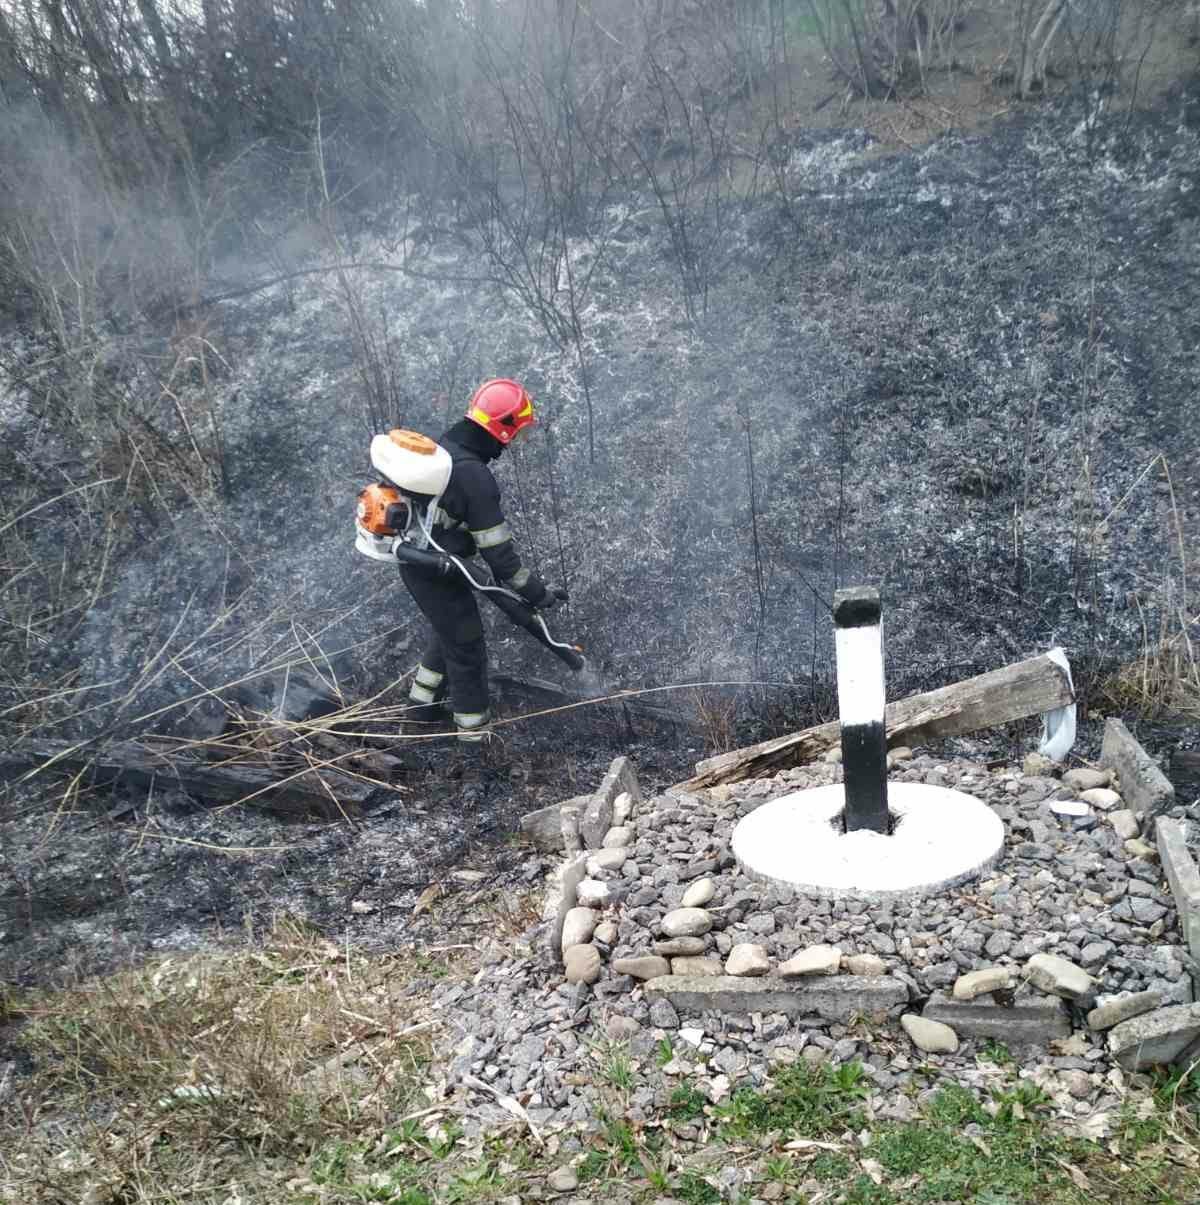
x: 948, y: 372
x: 119, y: 875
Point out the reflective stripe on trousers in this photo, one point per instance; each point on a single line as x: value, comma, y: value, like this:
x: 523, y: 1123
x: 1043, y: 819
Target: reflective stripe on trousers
x: 425, y: 685
x: 471, y: 725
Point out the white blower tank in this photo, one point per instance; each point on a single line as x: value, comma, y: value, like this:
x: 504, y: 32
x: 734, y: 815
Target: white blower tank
x: 412, y: 461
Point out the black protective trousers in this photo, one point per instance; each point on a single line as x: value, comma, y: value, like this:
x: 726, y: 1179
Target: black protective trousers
x: 456, y: 645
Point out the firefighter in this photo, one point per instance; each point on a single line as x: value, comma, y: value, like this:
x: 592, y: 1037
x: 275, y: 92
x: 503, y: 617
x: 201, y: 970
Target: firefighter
x: 469, y: 520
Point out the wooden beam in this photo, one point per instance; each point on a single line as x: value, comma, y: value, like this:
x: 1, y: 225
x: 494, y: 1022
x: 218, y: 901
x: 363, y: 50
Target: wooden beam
x: 1030, y: 687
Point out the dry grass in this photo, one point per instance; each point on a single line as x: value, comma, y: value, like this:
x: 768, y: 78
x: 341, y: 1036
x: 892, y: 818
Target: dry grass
x: 1164, y: 680
x: 717, y: 710
x: 296, y: 1071
x: 158, y: 1083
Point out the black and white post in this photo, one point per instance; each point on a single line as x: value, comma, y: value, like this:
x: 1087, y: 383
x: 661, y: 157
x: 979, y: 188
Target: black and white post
x: 858, y: 838
x: 861, y: 702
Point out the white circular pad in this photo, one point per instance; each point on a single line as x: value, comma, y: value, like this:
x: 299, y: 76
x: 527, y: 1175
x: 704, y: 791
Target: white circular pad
x: 940, y: 838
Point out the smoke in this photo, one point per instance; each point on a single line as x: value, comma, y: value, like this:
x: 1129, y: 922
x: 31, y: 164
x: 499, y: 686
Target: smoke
x: 832, y: 399
x: 590, y: 683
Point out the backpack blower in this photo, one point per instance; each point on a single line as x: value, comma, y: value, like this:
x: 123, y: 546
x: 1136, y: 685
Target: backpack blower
x: 394, y: 523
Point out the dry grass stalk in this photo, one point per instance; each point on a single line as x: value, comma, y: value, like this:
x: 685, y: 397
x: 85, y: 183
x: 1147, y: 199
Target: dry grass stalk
x: 717, y: 710
x: 1165, y: 678
x: 204, y: 1066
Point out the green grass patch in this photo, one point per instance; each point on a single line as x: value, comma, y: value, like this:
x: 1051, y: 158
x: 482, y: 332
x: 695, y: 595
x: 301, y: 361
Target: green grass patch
x: 620, y: 1150
x: 996, y: 1052
x: 695, y: 1190
x: 687, y: 1103
x: 801, y: 1099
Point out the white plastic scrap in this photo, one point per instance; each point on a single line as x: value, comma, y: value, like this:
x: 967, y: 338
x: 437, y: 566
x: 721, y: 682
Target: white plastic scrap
x: 1058, y: 726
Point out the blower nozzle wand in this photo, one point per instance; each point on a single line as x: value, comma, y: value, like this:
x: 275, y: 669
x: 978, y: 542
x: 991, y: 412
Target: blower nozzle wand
x: 441, y: 564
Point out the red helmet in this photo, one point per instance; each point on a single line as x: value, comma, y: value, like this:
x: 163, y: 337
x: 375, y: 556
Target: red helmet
x: 502, y: 408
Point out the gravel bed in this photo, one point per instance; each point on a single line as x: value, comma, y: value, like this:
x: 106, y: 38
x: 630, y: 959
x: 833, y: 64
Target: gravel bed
x: 1068, y: 884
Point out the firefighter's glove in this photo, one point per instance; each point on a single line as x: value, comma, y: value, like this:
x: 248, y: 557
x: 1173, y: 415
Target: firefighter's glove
x: 555, y: 597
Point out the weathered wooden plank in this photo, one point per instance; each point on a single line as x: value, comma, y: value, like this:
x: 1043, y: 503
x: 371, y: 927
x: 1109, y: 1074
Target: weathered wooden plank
x: 324, y: 791
x: 1030, y: 687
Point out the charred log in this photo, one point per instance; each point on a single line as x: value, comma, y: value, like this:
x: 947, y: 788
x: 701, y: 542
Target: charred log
x: 317, y: 788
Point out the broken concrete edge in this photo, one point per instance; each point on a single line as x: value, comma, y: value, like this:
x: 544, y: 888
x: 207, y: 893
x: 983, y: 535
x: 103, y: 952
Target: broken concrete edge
x: 830, y: 997
x: 1184, y: 877
x: 562, y: 893
x: 1145, y: 788
x: 595, y: 818
x: 543, y: 828
x: 1034, y: 1021
x: 1166, y: 1036
x: 1123, y: 1008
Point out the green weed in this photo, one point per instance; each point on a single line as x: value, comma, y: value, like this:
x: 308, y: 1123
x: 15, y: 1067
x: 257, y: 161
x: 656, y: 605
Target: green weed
x: 830, y: 1167
x: 624, y: 1144
x: 687, y: 1102
x: 695, y: 1190
x: 801, y: 1099
x: 1018, y: 1104
x: 619, y: 1150
x: 953, y: 1105
x: 618, y: 1069
x: 593, y: 1166
x: 996, y: 1052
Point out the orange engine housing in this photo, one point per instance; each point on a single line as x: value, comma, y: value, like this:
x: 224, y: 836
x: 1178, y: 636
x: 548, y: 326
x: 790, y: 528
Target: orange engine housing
x: 382, y: 510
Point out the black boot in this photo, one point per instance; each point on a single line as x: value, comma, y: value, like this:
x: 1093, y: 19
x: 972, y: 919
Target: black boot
x: 426, y: 719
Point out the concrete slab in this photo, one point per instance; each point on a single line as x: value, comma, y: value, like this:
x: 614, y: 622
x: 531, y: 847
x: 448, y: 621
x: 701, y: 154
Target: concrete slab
x: 543, y: 828
x: 1183, y: 875
x: 833, y: 998
x: 596, y: 817
x: 940, y: 838
x: 1168, y: 1035
x: 1033, y: 1021
x: 1144, y: 787
x: 1123, y: 1008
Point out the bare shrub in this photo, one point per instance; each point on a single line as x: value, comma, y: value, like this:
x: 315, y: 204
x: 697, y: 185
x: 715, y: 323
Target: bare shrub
x: 717, y: 708
x: 685, y: 164
x: 531, y: 144
x: 881, y: 47
x: 1164, y: 680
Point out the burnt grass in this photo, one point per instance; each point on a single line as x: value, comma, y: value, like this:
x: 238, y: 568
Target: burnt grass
x: 936, y: 372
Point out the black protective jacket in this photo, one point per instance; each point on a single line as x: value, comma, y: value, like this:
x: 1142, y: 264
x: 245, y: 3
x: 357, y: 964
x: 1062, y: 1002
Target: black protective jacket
x: 470, y: 519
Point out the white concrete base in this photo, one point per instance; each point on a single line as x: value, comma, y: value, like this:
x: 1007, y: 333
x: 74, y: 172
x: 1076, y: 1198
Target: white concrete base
x: 940, y: 838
